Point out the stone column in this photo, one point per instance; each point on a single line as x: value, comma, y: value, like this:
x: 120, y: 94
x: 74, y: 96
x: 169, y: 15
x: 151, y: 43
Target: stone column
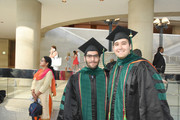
x: 140, y: 19
x: 28, y: 28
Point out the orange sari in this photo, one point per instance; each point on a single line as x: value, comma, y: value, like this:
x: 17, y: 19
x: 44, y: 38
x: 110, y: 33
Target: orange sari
x: 40, y: 74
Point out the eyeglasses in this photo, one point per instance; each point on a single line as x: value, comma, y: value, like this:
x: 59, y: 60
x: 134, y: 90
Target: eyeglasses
x: 92, y: 56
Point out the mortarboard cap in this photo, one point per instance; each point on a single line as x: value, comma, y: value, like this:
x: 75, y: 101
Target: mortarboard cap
x: 120, y: 33
x: 92, y: 45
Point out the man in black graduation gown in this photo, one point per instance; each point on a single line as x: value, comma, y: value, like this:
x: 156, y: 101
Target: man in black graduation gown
x: 85, y: 95
x: 159, y: 61
x: 135, y: 89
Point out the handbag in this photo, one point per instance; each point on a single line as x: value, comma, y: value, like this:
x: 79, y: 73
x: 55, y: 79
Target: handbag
x: 56, y: 61
x: 35, y: 109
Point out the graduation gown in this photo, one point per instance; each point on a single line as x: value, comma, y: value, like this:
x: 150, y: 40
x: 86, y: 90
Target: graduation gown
x: 85, y: 96
x: 137, y: 92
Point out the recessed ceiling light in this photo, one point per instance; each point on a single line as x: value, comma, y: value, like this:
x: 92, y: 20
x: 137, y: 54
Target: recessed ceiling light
x: 64, y: 1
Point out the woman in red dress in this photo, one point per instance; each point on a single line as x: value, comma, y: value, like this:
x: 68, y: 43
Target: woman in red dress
x: 75, y: 61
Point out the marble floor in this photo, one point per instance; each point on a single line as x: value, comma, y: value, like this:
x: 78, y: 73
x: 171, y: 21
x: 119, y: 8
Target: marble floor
x: 15, y: 105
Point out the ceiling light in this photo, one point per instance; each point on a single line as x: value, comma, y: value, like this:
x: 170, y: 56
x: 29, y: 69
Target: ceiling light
x: 161, y: 24
x: 64, y: 1
x: 107, y: 20
x: 117, y: 19
x: 157, y: 21
x: 165, y: 20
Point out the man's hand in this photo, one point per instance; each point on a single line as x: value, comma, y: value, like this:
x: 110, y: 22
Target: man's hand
x: 165, y: 82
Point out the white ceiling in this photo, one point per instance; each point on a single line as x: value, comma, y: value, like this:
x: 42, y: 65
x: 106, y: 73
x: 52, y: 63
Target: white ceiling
x: 54, y: 12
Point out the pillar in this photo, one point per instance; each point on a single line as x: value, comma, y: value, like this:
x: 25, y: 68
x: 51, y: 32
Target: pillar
x: 28, y: 28
x: 140, y: 19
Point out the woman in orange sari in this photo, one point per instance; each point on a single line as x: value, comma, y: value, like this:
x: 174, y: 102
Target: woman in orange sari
x: 43, y: 87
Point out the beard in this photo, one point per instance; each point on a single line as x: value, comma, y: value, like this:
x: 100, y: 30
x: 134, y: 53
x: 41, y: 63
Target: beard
x: 92, y: 67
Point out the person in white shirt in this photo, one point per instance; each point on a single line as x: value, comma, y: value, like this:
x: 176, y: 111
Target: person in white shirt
x: 53, y: 55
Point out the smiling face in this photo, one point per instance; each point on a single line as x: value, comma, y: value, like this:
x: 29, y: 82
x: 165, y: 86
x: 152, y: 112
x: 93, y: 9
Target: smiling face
x: 92, y: 59
x: 121, y: 48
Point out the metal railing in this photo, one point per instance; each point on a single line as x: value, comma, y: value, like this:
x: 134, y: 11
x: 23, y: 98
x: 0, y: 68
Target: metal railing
x: 172, y: 59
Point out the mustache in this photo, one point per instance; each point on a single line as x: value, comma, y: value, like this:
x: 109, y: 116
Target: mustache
x: 93, y: 62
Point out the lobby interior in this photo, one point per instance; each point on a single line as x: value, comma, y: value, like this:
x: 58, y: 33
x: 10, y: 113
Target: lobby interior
x: 28, y: 28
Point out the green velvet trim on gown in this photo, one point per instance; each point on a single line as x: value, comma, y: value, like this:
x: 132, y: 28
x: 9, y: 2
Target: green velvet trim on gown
x: 86, y: 93
x: 118, y: 107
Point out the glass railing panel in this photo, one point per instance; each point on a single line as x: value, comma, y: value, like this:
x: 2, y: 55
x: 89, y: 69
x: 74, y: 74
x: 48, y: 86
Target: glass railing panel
x: 19, y: 88
x: 17, y: 82
x: 4, y: 83
x: 173, y: 98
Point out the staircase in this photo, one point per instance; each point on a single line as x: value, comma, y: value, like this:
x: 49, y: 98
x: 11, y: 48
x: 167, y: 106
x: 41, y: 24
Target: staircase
x: 172, y: 71
x: 172, y: 68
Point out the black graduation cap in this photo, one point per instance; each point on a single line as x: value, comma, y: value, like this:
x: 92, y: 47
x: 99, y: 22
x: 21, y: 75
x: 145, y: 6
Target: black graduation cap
x: 120, y: 33
x: 92, y: 45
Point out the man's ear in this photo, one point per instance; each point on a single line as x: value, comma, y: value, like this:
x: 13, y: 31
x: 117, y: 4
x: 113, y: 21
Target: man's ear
x: 130, y: 47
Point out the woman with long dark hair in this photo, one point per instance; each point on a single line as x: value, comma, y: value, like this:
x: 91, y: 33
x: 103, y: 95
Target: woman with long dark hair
x: 43, y: 87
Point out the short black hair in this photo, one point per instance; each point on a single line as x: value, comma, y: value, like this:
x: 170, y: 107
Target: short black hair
x: 159, y: 48
x: 137, y: 52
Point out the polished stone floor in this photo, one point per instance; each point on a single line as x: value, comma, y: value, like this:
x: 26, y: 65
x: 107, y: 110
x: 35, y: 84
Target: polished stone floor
x: 15, y: 105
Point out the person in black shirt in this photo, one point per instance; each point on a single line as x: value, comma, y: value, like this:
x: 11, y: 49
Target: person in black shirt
x: 159, y: 61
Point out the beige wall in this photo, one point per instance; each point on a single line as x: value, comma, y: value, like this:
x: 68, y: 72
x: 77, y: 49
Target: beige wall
x: 4, y: 47
x: 176, y: 30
